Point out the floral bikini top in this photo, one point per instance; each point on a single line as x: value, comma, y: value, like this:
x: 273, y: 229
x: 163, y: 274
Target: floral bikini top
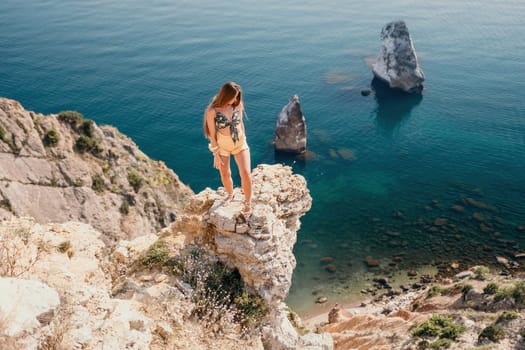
x: 221, y: 122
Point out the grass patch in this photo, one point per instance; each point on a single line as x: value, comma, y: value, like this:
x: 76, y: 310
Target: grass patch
x: 437, y: 290
x: 441, y: 344
x: 220, y: 297
x: 156, y: 255
x: 481, y: 273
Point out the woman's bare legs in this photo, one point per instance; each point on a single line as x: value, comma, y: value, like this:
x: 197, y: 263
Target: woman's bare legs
x: 244, y: 164
x: 226, y: 176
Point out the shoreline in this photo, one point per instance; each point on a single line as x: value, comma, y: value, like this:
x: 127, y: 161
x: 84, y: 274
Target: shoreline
x: 317, y: 314
x: 364, y: 288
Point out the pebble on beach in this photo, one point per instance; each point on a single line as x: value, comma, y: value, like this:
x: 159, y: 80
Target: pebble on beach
x: 321, y: 300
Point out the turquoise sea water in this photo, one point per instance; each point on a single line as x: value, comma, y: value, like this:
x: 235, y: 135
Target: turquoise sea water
x: 150, y: 68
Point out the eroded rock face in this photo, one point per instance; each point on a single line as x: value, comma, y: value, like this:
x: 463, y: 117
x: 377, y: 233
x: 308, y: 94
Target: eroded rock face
x: 117, y: 189
x: 259, y: 247
x: 262, y: 247
x: 397, y: 63
x: 290, y: 128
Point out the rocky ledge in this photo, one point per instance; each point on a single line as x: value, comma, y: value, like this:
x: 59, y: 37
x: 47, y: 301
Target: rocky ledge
x: 73, y: 291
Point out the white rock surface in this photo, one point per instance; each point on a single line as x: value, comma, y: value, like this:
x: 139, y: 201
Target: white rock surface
x: 21, y: 304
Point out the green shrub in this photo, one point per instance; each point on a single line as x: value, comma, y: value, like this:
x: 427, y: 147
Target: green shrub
x: 465, y: 289
x: 423, y: 344
x: 441, y: 344
x: 492, y: 332
x: 439, y: 326
x: 124, y: 208
x: 252, y: 309
x: 130, y: 199
x: 135, y: 180
x: 51, y: 138
x: 79, y: 182
x: 87, y: 128
x: 481, y: 273
x: 85, y: 144
x: 72, y: 118
x: 491, y: 288
x: 6, y: 204
x: 516, y: 292
x: 507, y: 316
x: 415, y: 306
x: 156, y: 255
x: 98, y: 184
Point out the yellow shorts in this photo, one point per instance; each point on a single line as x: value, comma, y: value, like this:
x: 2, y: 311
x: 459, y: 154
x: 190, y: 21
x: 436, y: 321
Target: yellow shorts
x: 227, y: 146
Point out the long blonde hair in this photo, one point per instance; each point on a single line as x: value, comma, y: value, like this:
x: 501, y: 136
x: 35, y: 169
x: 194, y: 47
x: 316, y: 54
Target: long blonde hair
x: 228, y: 91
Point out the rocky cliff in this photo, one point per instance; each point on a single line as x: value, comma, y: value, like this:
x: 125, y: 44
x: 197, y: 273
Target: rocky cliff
x: 176, y: 271
x: 63, y: 167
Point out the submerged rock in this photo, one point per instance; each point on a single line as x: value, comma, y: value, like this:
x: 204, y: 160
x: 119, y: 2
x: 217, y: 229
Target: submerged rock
x: 397, y: 63
x: 290, y: 128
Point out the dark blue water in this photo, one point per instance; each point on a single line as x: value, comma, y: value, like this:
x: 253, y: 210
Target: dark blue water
x: 150, y: 68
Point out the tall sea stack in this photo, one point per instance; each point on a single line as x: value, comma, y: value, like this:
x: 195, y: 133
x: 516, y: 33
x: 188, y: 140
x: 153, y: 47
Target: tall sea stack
x: 290, y: 128
x: 397, y: 63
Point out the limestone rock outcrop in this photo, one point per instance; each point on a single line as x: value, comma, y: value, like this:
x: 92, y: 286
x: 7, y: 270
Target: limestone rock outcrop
x: 95, y: 277
x: 69, y: 260
x: 56, y: 169
x: 290, y: 128
x: 35, y: 303
x: 397, y: 63
x: 260, y: 247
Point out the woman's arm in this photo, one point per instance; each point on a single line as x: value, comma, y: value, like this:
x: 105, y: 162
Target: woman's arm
x: 210, y: 124
x: 241, y: 108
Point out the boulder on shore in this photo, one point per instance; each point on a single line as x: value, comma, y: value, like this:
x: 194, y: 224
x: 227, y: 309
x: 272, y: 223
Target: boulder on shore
x: 290, y: 128
x: 397, y: 63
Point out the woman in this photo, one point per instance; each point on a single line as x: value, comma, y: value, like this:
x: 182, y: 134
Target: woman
x: 224, y: 127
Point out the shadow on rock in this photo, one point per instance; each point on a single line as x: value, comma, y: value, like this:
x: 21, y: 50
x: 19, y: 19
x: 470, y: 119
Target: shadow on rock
x: 393, y: 105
